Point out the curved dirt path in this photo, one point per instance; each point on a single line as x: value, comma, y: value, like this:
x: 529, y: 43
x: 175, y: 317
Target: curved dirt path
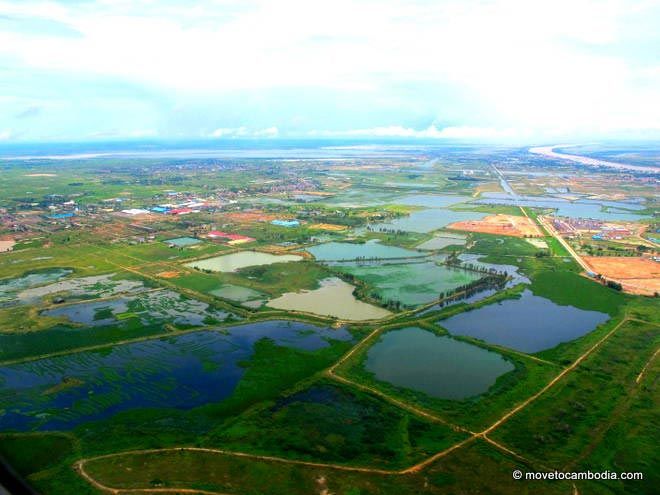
x: 80, y: 465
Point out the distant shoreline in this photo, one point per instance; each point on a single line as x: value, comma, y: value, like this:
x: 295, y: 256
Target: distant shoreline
x: 585, y: 160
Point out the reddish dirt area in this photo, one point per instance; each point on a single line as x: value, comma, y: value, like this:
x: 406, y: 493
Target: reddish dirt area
x: 510, y: 225
x: 636, y: 275
x: 250, y: 216
x: 327, y: 226
x: 171, y: 274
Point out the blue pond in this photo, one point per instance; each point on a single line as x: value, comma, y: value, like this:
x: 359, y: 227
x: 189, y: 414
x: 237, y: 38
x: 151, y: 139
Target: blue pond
x: 528, y: 324
x: 181, y: 372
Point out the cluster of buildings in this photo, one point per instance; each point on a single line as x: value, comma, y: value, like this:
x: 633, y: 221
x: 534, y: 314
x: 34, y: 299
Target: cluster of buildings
x: 601, y: 231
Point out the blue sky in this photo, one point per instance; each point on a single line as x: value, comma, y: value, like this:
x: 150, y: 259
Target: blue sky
x: 221, y: 69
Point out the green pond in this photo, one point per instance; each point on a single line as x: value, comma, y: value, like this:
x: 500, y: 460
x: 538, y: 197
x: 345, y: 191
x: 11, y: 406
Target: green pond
x: 182, y: 241
x: 372, y: 249
x: 411, y: 284
x: 333, y: 298
x: 438, y: 366
x: 236, y: 261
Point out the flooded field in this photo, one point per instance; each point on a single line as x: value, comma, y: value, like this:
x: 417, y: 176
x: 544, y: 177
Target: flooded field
x: 236, y: 261
x: 527, y: 324
x: 181, y: 372
x: 149, y: 307
x: 436, y: 365
x: 372, y: 249
x: 238, y: 293
x: 411, y: 284
x: 442, y: 241
x: 11, y: 287
x: 82, y: 288
x: 334, y: 298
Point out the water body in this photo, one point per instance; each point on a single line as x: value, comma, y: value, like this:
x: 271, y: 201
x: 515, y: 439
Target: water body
x: 88, y: 313
x: 431, y: 200
x: 436, y: 365
x: 333, y: 298
x: 511, y: 270
x: 411, y: 185
x: 528, y: 324
x: 236, y: 261
x: 150, y: 307
x: 83, y: 287
x: 237, y: 293
x: 616, y: 211
x: 425, y: 221
x: 411, y: 284
x: 344, y: 251
x: 180, y: 372
x: 182, y: 241
x: 11, y: 287
x: 442, y: 241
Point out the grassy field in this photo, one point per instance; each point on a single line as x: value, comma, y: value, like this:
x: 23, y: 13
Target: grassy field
x: 477, y: 468
x: 328, y: 422
x: 563, y: 427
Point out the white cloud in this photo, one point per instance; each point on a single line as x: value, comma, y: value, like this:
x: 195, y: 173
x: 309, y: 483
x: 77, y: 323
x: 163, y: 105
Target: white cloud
x: 119, y: 133
x: 566, y: 65
x: 6, y: 135
x: 452, y: 132
x: 234, y: 132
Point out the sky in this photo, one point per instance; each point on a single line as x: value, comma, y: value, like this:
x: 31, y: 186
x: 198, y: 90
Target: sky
x: 499, y: 70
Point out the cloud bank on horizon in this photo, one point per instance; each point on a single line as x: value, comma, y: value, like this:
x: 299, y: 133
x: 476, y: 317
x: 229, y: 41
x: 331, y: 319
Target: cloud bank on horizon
x: 437, y: 69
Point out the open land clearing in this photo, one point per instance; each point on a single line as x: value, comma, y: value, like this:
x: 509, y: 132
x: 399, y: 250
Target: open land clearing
x: 516, y: 226
x: 636, y: 275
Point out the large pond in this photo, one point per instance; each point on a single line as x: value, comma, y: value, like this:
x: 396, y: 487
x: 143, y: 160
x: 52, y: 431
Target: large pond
x: 411, y: 284
x: 436, y: 365
x: 181, y: 372
x: 372, y: 249
x: 424, y: 221
x: 333, y: 298
x: 236, y: 261
x: 528, y: 324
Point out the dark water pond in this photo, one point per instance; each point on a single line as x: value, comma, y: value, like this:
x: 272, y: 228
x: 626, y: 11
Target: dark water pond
x: 436, y: 365
x: 182, y: 372
x: 527, y: 324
